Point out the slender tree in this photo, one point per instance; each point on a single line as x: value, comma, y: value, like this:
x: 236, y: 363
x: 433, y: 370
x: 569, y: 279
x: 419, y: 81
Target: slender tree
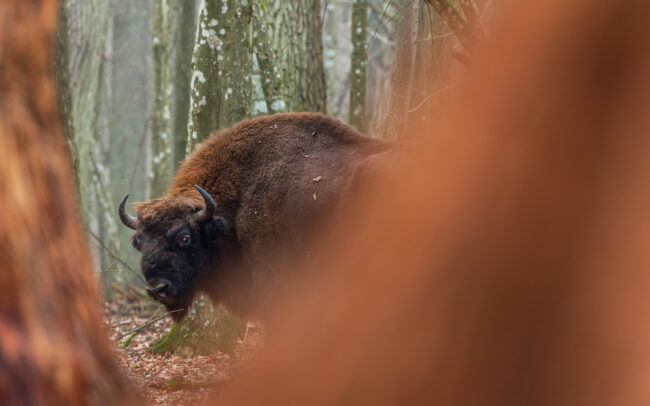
x: 204, y: 94
x: 403, y: 68
x: 357, y: 109
x: 185, y: 32
x: 235, y: 61
x: 270, y: 79
x: 161, y: 132
x: 63, y: 76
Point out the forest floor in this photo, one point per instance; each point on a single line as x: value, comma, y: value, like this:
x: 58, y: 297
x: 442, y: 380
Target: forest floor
x: 178, y: 378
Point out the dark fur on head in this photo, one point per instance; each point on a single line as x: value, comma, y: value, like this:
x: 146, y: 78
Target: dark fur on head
x: 164, y: 226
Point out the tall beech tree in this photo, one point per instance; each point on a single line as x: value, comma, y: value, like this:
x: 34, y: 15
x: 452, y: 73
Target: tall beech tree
x: 185, y: 32
x: 295, y: 29
x: 161, y: 131
x: 357, y: 109
x: 204, y: 89
x: 403, y: 69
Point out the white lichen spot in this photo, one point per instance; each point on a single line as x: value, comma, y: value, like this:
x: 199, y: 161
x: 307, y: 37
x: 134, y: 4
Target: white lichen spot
x: 224, y: 9
x: 202, y: 102
x: 222, y: 32
x: 194, y: 135
x: 228, y: 93
x: 156, y: 40
x: 199, y: 75
x: 278, y: 105
x: 213, y: 23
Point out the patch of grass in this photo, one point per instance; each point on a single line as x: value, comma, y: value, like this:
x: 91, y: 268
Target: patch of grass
x: 205, y: 329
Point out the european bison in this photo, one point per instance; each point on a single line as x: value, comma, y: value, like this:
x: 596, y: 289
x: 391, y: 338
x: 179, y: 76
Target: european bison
x: 249, y: 194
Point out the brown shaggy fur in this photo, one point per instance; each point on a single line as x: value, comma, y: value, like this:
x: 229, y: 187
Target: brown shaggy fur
x: 273, y: 179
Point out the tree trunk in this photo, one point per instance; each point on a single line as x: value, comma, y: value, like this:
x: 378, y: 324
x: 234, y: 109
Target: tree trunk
x: 296, y: 38
x: 161, y: 132
x: 53, y: 349
x: 357, y: 109
x: 431, y: 73
x: 235, y: 62
x: 402, y: 77
x: 270, y: 79
x: 204, y: 95
x: 185, y: 31
x: 63, y: 78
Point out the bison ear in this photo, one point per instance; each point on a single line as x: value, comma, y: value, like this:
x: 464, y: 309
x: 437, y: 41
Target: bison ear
x: 215, y: 228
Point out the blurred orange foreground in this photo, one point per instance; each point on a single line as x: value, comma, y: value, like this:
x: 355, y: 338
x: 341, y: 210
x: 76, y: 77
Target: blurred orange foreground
x: 506, y: 259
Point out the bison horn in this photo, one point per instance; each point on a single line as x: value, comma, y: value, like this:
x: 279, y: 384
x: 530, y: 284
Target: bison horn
x: 126, y: 218
x: 206, y: 213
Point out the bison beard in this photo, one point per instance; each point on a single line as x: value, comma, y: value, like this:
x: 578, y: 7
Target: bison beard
x: 268, y: 183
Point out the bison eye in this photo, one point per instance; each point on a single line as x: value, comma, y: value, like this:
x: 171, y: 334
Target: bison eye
x: 184, y: 240
x: 135, y: 241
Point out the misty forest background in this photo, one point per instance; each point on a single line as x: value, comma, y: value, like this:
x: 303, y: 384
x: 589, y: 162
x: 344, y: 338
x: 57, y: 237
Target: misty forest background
x: 143, y: 82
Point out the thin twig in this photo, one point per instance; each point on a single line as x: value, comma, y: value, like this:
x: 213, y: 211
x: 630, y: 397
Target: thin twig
x: 389, y: 20
x: 147, y: 324
x: 378, y: 25
x: 109, y: 252
x: 428, y: 97
x: 431, y: 38
x: 162, y: 364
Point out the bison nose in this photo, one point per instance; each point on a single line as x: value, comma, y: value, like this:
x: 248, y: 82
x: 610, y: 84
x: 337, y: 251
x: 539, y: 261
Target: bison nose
x: 160, y: 288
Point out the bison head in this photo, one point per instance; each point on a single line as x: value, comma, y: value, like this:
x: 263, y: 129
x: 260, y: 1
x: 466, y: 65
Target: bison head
x: 178, y: 237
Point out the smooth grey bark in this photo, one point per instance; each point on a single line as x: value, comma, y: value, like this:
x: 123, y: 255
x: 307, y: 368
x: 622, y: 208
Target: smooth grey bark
x: 185, y: 32
x: 358, y: 59
x: 161, y: 132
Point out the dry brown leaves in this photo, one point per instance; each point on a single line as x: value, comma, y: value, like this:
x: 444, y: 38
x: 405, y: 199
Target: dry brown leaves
x: 178, y: 378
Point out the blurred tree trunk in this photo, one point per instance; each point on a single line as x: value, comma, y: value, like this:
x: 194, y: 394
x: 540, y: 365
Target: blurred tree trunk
x: 235, y: 61
x: 270, y: 79
x: 53, y: 349
x: 204, y: 94
x: 107, y: 229
x: 185, y: 31
x: 357, y: 109
x: 64, y: 84
x: 431, y: 74
x: 84, y: 70
x: 161, y: 132
x: 88, y: 30
x: 402, y: 77
x: 296, y: 37
x: 466, y: 25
